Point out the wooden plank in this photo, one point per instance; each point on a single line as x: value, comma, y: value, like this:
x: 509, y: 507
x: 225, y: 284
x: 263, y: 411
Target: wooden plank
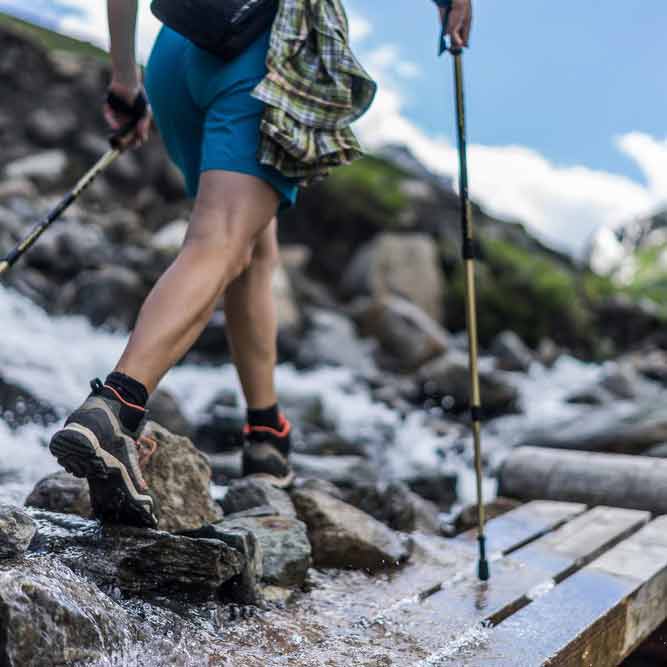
x: 634, y: 482
x: 595, y: 618
x: 520, y: 526
x: 465, y: 602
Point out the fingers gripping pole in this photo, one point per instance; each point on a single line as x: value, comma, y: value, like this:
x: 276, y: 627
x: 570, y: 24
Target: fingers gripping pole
x: 471, y: 307
x: 7, y: 262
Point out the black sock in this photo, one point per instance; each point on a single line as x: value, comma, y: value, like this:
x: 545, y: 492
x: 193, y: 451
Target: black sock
x: 269, y: 417
x: 130, y: 390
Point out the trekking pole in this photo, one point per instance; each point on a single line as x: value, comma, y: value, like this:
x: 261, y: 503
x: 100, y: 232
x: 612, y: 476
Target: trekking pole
x: 469, y: 253
x: 136, y: 112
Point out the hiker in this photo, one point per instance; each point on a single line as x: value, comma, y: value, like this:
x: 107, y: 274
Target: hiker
x: 244, y: 143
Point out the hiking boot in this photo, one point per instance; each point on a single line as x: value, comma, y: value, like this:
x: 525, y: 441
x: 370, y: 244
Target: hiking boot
x: 101, y: 441
x: 266, y: 452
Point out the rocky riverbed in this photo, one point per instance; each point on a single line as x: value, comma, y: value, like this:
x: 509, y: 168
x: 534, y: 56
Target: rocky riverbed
x: 373, y: 374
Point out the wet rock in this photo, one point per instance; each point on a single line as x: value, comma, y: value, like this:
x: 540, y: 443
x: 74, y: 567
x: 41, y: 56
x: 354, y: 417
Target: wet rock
x: 45, y: 168
x: 344, y: 537
x: 180, y: 476
x: 408, y: 337
x: 431, y: 483
x: 63, y: 493
x: 622, y: 382
x: 123, y: 226
x: 248, y: 493
x: 511, y: 353
x: 221, y: 429
x: 164, y: 409
x: 325, y: 443
x: 658, y: 451
x: 50, y: 616
x: 19, y: 407
x: 16, y: 531
x: 589, y: 396
x: 112, y: 295
x: 286, y: 551
x: 446, y: 380
x: 548, y: 352
x: 225, y: 467
x: 653, y: 365
x: 339, y: 470
x: 406, y: 265
x: 136, y: 560
x: 49, y: 129
x: 396, y: 506
x: 242, y: 588
x: 467, y: 518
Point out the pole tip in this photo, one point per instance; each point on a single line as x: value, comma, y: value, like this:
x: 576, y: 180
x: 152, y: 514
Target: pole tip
x: 483, y: 570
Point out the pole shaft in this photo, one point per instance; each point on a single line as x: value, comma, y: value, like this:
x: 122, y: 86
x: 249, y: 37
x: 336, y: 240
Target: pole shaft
x: 14, y: 255
x: 470, y: 305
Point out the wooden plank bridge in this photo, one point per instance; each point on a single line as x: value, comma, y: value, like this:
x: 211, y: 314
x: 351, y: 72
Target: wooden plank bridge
x: 570, y: 586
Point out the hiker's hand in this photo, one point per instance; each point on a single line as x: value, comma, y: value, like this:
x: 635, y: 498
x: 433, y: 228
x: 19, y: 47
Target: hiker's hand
x: 460, y: 22
x: 117, y: 120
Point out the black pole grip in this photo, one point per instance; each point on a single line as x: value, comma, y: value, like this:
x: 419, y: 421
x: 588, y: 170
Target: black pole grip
x: 136, y: 111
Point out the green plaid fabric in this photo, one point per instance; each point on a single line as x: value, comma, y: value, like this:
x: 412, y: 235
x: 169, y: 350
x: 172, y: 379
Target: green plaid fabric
x: 315, y: 88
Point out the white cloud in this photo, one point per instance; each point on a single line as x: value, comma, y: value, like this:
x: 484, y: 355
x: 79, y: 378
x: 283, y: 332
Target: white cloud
x: 562, y: 204
x: 360, y: 28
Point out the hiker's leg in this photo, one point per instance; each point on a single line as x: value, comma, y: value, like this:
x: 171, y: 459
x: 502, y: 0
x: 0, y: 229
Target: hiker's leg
x: 230, y: 211
x: 252, y: 322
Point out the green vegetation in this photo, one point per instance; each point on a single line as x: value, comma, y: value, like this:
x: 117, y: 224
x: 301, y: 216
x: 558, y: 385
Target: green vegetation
x: 50, y: 39
x: 371, y: 189
x: 650, y: 277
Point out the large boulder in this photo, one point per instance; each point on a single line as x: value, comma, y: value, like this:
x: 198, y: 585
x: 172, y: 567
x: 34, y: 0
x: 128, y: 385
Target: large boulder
x: 16, y: 531
x: 180, y: 476
x: 344, y: 537
x: 286, y: 551
x: 408, y: 337
x: 406, y: 265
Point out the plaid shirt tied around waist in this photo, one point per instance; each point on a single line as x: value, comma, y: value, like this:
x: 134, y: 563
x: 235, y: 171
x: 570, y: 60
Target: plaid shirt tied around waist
x: 315, y: 88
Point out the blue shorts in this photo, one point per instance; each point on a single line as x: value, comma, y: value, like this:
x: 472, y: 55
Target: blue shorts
x: 205, y: 113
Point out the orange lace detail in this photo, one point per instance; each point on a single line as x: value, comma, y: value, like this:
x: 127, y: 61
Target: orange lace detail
x: 146, y: 447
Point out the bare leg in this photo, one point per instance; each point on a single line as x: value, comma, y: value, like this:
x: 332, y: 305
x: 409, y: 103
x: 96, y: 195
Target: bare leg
x: 230, y: 212
x: 252, y: 322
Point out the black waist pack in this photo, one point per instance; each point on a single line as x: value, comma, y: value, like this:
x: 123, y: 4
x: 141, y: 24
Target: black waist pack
x: 222, y: 27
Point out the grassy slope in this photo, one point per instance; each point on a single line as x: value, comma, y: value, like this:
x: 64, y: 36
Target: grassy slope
x: 51, y: 40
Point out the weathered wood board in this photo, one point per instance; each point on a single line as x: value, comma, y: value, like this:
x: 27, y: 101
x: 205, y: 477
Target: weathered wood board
x: 595, y: 618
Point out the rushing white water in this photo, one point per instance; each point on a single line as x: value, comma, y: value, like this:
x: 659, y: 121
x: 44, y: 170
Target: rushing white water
x: 55, y: 357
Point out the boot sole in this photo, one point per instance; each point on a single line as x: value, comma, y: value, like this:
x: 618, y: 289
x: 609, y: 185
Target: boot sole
x: 113, y: 495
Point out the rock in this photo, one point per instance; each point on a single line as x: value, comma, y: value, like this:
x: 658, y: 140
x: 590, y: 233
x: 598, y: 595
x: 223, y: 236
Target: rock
x: 50, y: 616
x: 286, y: 551
x: 653, y: 365
x: 248, y: 493
x: 331, y: 339
x: 589, y: 396
x: 325, y: 443
x: 467, y: 518
x: 221, y: 429
x: 212, y: 343
x: 658, y: 451
x: 446, y: 381
x: 45, y: 168
x: 408, y: 337
x: 136, y: 560
x: 431, y: 483
x: 123, y: 226
x: 63, y: 493
x: 344, y: 537
x: 180, y: 476
x: 405, y: 265
x: 170, y: 238
x: 622, y: 382
x: 339, y: 470
x: 17, y: 187
x: 320, y: 485
x: 112, y: 295
x: 225, y: 467
x: 16, y: 531
x: 164, y: 409
x: 49, y: 129
x: 289, y: 315
x: 511, y: 353
x: 548, y: 352
x: 68, y: 249
x: 242, y: 588
x: 18, y: 407
x: 396, y: 506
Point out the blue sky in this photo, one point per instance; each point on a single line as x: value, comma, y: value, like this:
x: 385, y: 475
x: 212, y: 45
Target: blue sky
x: 567, y: 110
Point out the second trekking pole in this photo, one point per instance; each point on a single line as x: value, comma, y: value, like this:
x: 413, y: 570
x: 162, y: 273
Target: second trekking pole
x: 469, y: 253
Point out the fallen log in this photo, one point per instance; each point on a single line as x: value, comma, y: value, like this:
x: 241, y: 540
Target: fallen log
x: 632, y: 482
